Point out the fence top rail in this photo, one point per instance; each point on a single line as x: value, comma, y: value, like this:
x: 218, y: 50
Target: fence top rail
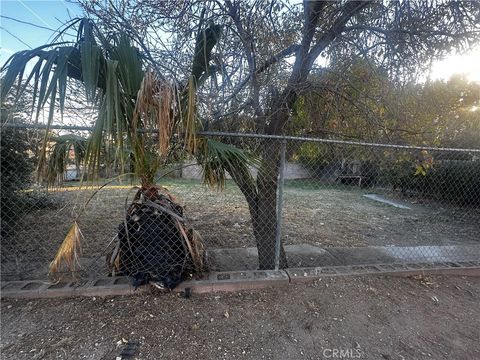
x: 258, y: 136
x: 331, y: 141
x: 58, y: 127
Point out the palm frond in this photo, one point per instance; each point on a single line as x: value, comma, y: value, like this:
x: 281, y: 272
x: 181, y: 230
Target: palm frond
x: 217, y: 159
x: 165, y: 118
x: 194, y: 245
x: 68, y: 255
x: 130, y: 66
x: 205, y: 42
x: 92, y: 61
x: 154, y: 109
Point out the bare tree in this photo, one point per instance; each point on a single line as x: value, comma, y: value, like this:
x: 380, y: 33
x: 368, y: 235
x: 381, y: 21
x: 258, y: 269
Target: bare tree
x: 270, y: 47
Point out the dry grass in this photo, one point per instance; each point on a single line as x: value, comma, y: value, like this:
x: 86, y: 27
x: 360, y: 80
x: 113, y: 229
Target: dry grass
x: 318, y: 216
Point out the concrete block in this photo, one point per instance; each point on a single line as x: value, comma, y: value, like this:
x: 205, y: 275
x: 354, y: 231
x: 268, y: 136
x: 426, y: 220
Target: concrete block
x: 235, y: 281
x: 231, y: 281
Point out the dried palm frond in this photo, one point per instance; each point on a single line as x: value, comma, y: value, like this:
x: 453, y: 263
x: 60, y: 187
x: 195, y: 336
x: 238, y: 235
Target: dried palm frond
x: 165, y: 117
x: 163, y: 190
x: 198, y: 249
x: 190, y: 122
x: 113, y: 259
x: 154, y: 108
x: 68, y: 255
x: 194, y: 245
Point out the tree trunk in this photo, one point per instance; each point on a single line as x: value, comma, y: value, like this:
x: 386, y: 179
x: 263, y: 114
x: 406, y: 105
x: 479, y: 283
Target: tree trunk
x: 264, y: 220
x: 262, y: 204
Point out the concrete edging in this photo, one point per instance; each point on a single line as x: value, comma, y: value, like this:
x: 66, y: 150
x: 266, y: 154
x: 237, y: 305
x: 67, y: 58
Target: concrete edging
x: 301, y: 275
x: 233, y: 280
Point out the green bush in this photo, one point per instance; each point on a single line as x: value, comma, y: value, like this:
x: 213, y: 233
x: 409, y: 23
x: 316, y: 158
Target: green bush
x: 16, y: 175
x: 455, y: 181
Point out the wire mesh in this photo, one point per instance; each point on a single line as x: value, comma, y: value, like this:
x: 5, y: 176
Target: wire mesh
x: 342, y: 204
x: 394, y: 204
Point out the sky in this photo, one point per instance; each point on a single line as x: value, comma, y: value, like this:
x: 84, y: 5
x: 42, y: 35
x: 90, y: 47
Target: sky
x: 16, y: 36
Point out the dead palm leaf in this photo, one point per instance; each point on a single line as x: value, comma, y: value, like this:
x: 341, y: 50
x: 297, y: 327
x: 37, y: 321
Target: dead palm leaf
x: 194, y: 245
x: 198, y: 249
x: 68, y: 255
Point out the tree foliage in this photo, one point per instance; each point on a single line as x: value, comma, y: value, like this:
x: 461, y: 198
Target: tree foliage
x: 359, y: 101
x: 271, y: 45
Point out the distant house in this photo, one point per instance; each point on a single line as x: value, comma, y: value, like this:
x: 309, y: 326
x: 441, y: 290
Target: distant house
x: 72, y: 173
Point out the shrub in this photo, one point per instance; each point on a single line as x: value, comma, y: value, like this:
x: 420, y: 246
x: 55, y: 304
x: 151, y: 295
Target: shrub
x: 455, y: 181
x: 16, y: 174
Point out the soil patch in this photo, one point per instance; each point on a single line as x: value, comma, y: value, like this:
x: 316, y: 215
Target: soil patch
x: 381, y: 317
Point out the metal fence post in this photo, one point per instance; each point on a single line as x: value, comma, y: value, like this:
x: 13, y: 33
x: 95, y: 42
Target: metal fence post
x: 278, y: 232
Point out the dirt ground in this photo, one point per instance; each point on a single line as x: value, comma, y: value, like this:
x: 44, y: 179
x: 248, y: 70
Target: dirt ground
x: 313, y: 214
x: 324, y: 216
x: 365, y: 317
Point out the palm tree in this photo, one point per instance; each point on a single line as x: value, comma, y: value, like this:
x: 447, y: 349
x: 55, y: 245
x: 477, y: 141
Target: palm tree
x: 139, y: 111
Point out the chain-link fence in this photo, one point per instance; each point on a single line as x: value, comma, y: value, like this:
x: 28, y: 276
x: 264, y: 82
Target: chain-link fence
x: 304, y: 202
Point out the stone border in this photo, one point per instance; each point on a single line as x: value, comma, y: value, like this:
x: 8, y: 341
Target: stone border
x: 231, y: 281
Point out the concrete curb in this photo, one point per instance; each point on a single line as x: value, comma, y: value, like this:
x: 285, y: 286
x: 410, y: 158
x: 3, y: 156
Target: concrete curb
x: 231, y: 281
x: 216, y: 282
x: 470, y: 268
x: 235, y: 281
x: 43, y: 289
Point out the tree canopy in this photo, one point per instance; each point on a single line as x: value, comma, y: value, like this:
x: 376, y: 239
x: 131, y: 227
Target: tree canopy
x: 363, y: 103
x: 269, y: 47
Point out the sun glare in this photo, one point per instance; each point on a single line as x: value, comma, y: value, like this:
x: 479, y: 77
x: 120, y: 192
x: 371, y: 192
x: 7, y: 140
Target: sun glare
x: 467, y: 64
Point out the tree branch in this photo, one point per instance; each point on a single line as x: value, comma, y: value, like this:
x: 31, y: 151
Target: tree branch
x: 408, y: 32
x: 271, y: 61
x: 352, y: 8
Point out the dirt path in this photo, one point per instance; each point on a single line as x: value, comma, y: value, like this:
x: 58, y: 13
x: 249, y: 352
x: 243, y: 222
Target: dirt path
x: 366, y: 318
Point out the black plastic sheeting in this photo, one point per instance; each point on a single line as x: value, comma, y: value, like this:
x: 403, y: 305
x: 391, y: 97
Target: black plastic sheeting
x: 151, y: 246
